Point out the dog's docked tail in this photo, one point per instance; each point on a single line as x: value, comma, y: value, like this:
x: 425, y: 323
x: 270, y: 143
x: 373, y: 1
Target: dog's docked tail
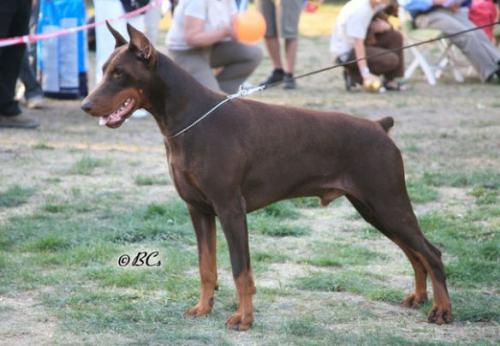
x: 386, y: 123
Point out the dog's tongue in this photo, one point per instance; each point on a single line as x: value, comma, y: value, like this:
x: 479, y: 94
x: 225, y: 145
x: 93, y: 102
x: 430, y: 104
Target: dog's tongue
x: 110, y: 119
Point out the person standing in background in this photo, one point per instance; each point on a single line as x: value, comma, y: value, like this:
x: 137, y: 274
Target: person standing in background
x: 32, y: 92
x: 282, y: 19
x: 14, y: 21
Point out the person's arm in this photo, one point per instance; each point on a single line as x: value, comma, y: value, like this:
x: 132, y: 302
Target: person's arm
x: 196, y: 36
x: 416, y: 5
x: 360, y: 52
x: 379, y: 25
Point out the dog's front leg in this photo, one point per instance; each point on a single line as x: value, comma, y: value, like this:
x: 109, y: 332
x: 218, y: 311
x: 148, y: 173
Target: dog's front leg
x: 204, y: 226
x: 233, y: 219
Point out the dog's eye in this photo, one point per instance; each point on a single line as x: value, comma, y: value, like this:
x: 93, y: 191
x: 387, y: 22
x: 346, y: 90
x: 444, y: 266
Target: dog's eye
x: 117, y: 73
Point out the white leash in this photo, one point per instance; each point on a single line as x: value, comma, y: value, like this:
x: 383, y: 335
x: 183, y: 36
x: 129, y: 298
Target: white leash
x: 242, y: 92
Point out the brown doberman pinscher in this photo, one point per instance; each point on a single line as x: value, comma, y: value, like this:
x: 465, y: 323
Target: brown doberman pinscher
x: 247, y: 154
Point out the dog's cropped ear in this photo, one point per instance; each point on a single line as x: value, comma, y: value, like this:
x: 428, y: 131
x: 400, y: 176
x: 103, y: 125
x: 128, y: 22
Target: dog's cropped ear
x: 139, y: 44
x: 120, y: 41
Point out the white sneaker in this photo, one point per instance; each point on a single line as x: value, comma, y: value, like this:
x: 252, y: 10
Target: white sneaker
x: 35, y: 102
x: 140, y: 113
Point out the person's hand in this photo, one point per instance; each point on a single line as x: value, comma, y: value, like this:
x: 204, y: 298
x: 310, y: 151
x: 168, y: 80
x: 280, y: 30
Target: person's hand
x: 379, y: 25
x: 439, y: 2
x: 229, y: 30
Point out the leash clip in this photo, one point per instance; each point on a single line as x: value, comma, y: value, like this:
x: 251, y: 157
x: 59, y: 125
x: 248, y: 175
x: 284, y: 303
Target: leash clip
x: 246, y: 89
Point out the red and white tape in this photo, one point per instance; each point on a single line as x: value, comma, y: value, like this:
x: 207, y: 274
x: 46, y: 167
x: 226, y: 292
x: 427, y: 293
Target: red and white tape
x: 10, y: 41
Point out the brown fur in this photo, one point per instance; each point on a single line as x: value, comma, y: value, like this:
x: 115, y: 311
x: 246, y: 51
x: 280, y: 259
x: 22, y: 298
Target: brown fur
x: 248, y: 154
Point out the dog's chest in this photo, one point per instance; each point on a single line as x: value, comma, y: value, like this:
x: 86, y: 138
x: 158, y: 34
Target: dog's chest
x: 187, y: 186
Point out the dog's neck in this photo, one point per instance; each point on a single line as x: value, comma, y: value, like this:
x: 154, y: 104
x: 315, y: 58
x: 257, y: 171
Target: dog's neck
x: 176, y: 98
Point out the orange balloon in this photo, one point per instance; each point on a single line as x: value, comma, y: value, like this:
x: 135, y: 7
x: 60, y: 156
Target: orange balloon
x: 249, y: 26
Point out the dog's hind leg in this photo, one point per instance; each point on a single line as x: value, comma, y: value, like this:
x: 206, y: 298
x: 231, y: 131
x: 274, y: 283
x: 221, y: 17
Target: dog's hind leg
x: 395, y: 218
x: 204, y: 226
x: 420, y: 294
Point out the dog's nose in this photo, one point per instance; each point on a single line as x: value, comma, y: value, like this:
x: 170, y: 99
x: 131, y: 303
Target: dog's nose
x: 86, y: 106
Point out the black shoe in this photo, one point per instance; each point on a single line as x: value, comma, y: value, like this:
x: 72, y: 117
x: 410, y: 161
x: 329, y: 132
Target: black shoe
x: 289, y: 82
x: 276, y: 76
x: 347, y: 80
x: 10, y: 109
x: 21, y: 121
x: 392, y: 85
x: 494, y: 78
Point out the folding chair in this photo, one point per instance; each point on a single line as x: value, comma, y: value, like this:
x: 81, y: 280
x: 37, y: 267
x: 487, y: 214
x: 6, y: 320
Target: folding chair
x: 447, y: 58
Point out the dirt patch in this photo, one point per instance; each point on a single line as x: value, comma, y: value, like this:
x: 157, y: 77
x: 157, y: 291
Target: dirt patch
x: 24, y: 321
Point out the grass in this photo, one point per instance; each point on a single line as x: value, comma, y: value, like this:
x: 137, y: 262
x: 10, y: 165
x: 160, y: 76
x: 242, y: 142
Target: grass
x: 42, y: 146
x: 340, y: 254
x: 421, y: 192
x: 474, y: 249
x: 86, y: 165
x: 364, y: 284
x: 484, y: 195
x: 274, y: 227
x: 487, y: 178
x: 15, y: 195
x: 148, y: 180
x: 280, y: 210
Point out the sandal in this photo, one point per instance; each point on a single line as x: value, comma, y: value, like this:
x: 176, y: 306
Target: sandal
x: 392, y: 85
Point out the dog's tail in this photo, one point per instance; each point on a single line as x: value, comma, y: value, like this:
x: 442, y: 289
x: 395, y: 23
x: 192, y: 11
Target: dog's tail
x: 386, y: 123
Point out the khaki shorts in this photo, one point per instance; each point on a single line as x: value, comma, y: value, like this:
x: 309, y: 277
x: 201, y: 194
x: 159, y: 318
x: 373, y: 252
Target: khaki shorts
x: 282, y: 17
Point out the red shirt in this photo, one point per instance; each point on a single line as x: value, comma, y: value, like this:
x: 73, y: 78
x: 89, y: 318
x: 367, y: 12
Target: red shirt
x: 483, y: 12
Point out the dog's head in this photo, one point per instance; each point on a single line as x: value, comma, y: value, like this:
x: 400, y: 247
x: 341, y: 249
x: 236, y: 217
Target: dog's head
x: 126, y: 78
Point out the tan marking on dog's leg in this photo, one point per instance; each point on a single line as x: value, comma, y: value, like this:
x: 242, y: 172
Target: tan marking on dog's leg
x: 441, y: 306
x: 419, y: 296
x: 207, y: 262
x: 243, y: 318
x: 208, y: 275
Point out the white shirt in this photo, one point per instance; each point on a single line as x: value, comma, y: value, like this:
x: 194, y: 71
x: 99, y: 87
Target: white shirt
x: 216, y: 14
x: 352, y: 22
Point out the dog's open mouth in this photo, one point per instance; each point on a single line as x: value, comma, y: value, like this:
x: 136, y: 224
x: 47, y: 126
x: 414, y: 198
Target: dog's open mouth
x: 117, y: 118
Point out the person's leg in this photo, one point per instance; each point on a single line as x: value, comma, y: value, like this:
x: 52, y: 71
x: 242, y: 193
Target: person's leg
x: 237, y: 60
x: 273, y: 47
x: 138, y: 22
x: 392, y: 40
x: 489, y: 48
x: 291, y: 47
x: 12, y: 23
x: 27, y: 76
x: 268, y: 10
x: 197, y: 63
x: 473, y: 44
x: 384, y: 64
x: 152, y: 18
x: 289, y: 15
x: 105, y: 43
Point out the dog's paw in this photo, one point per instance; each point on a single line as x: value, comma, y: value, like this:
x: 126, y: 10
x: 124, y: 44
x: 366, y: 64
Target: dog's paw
x: 413, y: 300
x: 198, y: 310
x: 440, y: 315
x: 239, y: 322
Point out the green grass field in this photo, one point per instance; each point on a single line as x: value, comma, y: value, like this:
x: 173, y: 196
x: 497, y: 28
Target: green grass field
x: 74, y: 197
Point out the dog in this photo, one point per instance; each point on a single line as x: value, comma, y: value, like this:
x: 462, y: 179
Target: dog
x: 247, y: 154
